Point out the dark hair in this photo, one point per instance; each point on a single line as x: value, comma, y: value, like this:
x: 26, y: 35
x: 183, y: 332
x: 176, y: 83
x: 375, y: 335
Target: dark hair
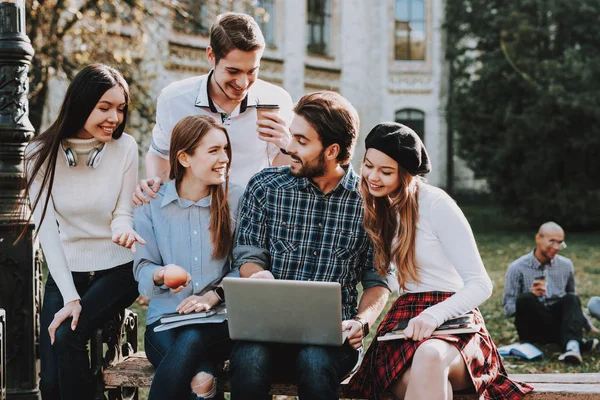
x: 83, y: 94
x: 232, y: 31
x: 185, y: 138
x: 334, y: 118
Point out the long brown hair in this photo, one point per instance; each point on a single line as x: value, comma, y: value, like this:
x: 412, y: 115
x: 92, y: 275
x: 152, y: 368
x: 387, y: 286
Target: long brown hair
x: 186, y: 137
x: 391, y: 222
x: 83, y: 93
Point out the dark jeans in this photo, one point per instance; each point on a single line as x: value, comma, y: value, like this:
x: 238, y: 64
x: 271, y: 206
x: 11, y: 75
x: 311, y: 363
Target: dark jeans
x: 65, y: 366
x: 557, y: 323
x: 180, y: 353
x: 317, y: 370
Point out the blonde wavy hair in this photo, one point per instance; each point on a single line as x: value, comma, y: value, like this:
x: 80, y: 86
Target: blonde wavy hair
x: 391, y: 222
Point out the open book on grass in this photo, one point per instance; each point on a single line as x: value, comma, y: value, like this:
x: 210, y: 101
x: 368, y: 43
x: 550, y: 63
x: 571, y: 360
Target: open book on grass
x: 463, y: 324
x: 523, y: 350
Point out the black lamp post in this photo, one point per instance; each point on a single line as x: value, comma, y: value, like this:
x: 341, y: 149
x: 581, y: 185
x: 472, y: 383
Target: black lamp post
x: 20, y: 275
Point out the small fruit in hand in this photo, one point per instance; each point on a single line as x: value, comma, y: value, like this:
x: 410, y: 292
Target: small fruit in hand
x: 175, y: 276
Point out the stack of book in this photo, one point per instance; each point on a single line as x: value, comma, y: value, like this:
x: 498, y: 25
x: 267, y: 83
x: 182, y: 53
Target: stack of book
x: 463, y: 324
x: 175, y: 320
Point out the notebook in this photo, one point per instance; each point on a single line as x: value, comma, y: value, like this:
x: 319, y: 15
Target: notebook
x: 462, y: 324
x: 175, y: 317
x: 214, y: 316
x: 523, y: 350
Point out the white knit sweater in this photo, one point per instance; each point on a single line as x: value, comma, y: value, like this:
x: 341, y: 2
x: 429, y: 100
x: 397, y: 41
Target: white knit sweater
x: 86, y: 206
x: 447, y: 257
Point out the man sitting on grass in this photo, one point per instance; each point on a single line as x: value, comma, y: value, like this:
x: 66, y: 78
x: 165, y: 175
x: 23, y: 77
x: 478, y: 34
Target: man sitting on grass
x: 540, y: 293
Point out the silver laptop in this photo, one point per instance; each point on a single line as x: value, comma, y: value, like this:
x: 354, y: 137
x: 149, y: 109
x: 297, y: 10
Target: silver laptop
x: 284, y: 311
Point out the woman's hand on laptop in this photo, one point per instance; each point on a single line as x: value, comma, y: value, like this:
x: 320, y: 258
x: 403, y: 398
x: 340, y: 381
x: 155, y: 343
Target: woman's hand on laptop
x: 262, y: 275
x: 355, y: 334
x: 197, y: 303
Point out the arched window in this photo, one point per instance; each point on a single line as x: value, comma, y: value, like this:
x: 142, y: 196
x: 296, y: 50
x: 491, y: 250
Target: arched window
x: 410, y: 33
x: 414, y: 119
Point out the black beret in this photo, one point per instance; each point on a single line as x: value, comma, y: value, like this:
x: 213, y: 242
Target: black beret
x: 402, y: 144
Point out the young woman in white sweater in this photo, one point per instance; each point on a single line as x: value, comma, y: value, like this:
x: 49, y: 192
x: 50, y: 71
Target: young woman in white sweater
x: 419, y: 229
x: 81, y: 172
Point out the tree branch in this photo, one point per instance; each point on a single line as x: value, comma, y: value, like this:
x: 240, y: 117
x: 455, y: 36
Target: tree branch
x: 521, y: 73
x: 57, y: 10
x: 74, y: 18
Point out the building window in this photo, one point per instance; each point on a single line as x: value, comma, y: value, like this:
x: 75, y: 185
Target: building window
x: 192, y: 17
x: 414, y: 119
x: 319, y: 27
x: 264, y: 14
x: 410, y: 34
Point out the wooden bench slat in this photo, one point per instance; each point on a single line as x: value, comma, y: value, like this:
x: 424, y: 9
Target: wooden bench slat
x: 562, y: 388
x: 136, y: 371
x: 558, y: 378
x: 548, y: 391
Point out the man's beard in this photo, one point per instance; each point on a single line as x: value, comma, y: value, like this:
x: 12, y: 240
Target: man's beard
x: 311, y: 171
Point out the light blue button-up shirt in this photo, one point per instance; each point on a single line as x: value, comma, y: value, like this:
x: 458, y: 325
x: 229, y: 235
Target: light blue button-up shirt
x: 176, y: 231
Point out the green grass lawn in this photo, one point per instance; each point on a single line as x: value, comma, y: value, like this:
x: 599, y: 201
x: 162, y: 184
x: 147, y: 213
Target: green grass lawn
x: 500, y: 243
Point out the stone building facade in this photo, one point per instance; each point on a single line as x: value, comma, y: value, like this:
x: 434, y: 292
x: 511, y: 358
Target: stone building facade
x: 385, y: 56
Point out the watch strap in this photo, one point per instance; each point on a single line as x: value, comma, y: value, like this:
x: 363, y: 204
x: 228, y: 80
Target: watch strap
x: 220, y: 293
x: 365, y: 325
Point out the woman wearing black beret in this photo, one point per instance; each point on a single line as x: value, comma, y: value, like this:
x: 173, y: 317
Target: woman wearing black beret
x: 421, y: 231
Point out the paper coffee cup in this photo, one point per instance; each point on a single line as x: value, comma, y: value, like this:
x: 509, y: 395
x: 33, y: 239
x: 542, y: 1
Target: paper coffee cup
x: 262, y: 108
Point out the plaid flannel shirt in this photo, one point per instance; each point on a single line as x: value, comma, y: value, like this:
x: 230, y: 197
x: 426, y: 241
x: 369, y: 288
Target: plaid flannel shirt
x: 289, y: 227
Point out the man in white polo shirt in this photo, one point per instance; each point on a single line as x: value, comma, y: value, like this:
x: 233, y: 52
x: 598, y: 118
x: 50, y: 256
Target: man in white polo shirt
x: 228, y: 93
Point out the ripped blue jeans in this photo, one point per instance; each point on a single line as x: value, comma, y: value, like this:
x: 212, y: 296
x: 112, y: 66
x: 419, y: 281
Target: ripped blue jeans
x: 179, y: 354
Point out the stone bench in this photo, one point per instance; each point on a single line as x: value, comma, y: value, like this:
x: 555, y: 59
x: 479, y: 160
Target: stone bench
x: 126, y: 373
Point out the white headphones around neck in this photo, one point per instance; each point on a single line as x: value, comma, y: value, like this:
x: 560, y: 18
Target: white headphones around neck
x: 93, y: 158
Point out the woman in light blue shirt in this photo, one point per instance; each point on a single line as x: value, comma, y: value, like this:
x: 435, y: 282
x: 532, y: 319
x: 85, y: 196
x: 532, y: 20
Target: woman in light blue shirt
x: 190, y: 223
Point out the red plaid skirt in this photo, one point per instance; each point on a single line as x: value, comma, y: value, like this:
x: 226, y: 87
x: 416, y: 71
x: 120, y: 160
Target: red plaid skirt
x: 386, y: 361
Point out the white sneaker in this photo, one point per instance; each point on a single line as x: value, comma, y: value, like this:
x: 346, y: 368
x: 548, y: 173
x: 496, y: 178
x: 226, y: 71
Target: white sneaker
x: 589, y: 345
x: 571, y: 357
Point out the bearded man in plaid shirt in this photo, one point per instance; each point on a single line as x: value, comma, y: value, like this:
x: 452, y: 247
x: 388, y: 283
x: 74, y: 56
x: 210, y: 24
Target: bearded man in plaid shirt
x: 304, y: 222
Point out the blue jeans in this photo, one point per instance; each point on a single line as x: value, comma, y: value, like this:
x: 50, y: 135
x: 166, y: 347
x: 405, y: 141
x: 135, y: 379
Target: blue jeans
x: 317, y: 370
x: 179, y: 354
x: 65, y: 366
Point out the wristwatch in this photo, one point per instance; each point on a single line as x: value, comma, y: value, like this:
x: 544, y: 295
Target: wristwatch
x: 220, y: 293
x: 365, y: 325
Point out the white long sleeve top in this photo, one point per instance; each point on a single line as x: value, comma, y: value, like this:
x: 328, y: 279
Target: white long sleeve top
x: 86, y: 206
x: 447, y: 257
